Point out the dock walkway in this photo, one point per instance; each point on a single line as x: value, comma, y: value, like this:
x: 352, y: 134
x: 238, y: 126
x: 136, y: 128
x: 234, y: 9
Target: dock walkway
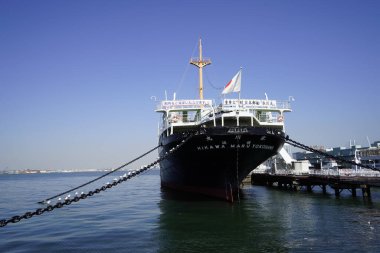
x: 335, y: 180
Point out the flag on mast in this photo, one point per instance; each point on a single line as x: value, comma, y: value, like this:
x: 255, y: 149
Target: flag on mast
x: 234, y: 84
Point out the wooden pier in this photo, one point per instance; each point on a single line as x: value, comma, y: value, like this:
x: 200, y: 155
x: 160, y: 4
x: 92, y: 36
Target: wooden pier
x: 337, y: 182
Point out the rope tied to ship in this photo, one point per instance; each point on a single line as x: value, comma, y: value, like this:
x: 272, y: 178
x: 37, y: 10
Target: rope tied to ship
x: 78, y: 197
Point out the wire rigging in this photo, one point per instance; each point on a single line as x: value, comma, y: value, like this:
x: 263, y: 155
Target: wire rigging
x: 211, y: 84
x: 180, y: 84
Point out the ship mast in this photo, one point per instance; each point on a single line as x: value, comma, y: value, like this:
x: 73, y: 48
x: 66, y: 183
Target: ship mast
x: 200, y: 63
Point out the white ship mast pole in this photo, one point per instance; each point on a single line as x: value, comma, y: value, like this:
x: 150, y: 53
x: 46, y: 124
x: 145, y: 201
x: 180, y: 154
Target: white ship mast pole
x: 200, y: 63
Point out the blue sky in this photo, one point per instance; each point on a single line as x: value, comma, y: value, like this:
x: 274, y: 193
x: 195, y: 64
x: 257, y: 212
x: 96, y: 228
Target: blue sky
x: 76, y: 77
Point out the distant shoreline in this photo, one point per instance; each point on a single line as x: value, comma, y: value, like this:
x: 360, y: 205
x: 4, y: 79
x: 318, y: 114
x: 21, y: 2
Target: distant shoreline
x: 30, y: 171
x: 17, y: 172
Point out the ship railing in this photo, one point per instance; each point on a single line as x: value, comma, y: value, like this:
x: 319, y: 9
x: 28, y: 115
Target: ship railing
x: 186, y: 113
x: 178, y: 119
x: 270, y: 117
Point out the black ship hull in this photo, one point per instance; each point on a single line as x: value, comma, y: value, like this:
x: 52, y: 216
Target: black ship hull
x: 216, y: 160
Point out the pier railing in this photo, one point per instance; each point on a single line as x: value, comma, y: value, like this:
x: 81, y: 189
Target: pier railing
x: 343, y: 173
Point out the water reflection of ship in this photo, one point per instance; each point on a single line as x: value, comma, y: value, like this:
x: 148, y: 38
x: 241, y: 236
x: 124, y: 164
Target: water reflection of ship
x: 208, y: 225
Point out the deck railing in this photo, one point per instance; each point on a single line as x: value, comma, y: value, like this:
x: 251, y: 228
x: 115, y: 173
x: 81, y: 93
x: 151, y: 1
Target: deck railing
x: 255, y: 104
x: 183, y: 104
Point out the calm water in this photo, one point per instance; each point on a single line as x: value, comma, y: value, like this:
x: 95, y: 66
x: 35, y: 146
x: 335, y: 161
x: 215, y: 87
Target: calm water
x: 137, y: 216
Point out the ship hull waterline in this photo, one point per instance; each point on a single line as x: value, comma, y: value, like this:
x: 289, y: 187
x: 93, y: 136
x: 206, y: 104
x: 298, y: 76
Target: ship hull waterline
x: 215, y: 161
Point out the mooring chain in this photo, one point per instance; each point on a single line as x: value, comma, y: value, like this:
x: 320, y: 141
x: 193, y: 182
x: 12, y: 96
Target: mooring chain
x: 78, y: 197
x: 304, y: 147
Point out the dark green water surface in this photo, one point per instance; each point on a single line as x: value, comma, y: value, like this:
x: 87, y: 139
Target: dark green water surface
x: 137, y: 216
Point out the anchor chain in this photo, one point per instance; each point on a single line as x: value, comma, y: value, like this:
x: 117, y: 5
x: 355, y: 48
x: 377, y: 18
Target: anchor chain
x: 68, y: 200
x: 316, y: 151
x: 96, y: 179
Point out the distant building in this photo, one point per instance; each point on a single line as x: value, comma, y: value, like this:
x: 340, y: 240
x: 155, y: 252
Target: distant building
x: 366, y: 155
x: 370, y: 156
x: 376, y: 144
